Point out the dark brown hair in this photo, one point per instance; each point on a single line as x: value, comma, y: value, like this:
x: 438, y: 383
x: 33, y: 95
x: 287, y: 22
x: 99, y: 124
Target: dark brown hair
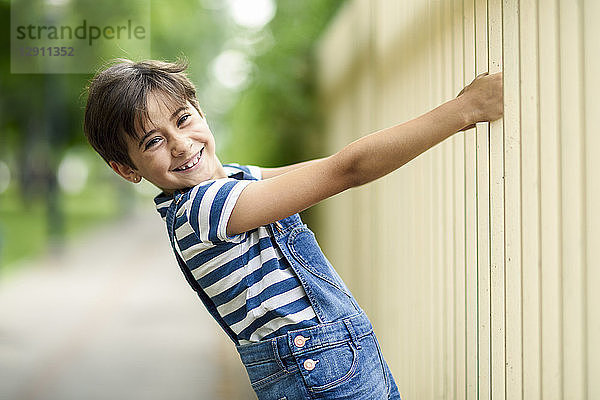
x: 116, y: 104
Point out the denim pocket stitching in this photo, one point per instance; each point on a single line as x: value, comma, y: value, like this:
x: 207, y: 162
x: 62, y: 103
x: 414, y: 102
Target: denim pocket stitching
x: 269, y: 379
x: 321, y: 347
x: 276, y: 353
x: 344, y: 378
x: 311, y: 296
x: 305, y: 263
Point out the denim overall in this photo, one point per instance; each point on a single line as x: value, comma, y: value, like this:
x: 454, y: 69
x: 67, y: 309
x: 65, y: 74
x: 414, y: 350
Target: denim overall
x: 337, y: 359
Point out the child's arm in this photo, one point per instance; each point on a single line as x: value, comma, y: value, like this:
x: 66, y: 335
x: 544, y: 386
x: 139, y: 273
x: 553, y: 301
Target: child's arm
x: 365, y: 159
x: 272, y: 172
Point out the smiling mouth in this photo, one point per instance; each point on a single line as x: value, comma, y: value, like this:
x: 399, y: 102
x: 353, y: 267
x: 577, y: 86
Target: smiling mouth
x: 191, y: 163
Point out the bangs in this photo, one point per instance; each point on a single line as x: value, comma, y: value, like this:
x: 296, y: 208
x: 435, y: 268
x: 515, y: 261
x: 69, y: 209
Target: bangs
x: 137, y: 120
x: 141, y: 121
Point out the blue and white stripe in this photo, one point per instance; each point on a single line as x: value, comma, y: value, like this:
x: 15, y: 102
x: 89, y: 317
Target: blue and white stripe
x: 248, y: 279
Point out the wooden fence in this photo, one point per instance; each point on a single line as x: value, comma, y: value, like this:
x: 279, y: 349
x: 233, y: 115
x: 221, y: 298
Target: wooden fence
x: 479, y: 261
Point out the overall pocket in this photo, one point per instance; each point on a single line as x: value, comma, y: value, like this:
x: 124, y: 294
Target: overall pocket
x: 346, y: 372
x: 328, y: 368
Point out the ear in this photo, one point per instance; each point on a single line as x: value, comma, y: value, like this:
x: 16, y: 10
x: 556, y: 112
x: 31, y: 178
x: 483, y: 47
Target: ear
x: 125, y: 171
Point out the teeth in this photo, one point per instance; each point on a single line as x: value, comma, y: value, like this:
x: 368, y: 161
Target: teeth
x: 191, y: 163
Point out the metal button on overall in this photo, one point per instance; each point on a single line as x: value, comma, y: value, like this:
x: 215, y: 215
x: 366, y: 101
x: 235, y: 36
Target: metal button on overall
x: 300, y: 340
x: 310, y: 364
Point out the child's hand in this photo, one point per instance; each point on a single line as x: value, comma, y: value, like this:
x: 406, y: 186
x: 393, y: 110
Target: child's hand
x: 482, y: 99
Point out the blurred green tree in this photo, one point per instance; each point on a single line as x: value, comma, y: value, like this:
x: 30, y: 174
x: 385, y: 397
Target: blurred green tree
x: 276, y: 117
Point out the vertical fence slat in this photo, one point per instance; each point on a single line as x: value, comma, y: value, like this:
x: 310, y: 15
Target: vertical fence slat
x: 405, y: 235
x: 591, y: 13
x: 530, y: 200
x: 498, y: 359
x: 483, y: 212
x: 448, y: 266
x: 407, y: 179
x: 550, y: 179
x: 472, y: 344
x: 421, y: 169
x: 512, y: 200
x: 437, y: 213
x: 458, y: 142
x: 573, y: 211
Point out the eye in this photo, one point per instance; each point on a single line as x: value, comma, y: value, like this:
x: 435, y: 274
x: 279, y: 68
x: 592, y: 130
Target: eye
x: 182, y: 119
x: 152, y: 142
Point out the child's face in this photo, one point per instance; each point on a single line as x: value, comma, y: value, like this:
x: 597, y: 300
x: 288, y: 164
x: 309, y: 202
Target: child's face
x: 176, y: 149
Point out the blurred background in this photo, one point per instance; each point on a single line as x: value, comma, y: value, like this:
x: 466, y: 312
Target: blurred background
x: 477, y: 262
x: 71, y: 326
x: 253, y: 68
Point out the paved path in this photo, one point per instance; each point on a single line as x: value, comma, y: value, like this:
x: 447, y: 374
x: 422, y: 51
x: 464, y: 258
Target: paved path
x: 111, y: 317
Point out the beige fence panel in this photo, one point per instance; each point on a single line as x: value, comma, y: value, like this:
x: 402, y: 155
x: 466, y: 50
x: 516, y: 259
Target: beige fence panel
x: 471, y: 272
x: 478, y: 261
x: 512, y: 200
x: 457, y: 374
x: 591, y: 121
x: 550, y: 179
x: 573, y: 245
x: 497, y: 243
x: 530, y: 199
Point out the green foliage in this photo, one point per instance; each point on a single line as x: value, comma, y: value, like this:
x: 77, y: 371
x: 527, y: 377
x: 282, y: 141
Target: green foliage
x: 41, y: 118
x: 275, y: 118
x: 23, y: 231
x: 41, y: 115
x: 182, y: 29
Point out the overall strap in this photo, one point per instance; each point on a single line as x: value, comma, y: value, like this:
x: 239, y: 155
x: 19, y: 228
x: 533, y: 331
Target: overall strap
x: 210, y: 306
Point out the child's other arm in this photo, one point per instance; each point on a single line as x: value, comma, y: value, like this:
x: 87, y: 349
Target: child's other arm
x: 272, y: 172
x: 365, y: 159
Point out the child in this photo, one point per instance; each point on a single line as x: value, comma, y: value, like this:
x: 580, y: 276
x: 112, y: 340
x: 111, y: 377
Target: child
x: 237, y: 235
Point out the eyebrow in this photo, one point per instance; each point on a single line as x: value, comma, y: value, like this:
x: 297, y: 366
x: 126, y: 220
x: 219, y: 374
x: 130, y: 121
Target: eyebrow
x: 180, y: 109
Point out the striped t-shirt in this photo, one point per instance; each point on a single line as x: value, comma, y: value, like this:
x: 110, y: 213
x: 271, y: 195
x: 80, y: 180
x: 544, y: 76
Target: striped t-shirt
x: 250, y: 282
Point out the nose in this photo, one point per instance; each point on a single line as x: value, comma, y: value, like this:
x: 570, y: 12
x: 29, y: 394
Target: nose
x: 179, y: 145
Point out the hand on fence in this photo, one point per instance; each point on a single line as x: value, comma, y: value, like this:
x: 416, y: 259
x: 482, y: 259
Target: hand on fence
x: 483, y: 99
